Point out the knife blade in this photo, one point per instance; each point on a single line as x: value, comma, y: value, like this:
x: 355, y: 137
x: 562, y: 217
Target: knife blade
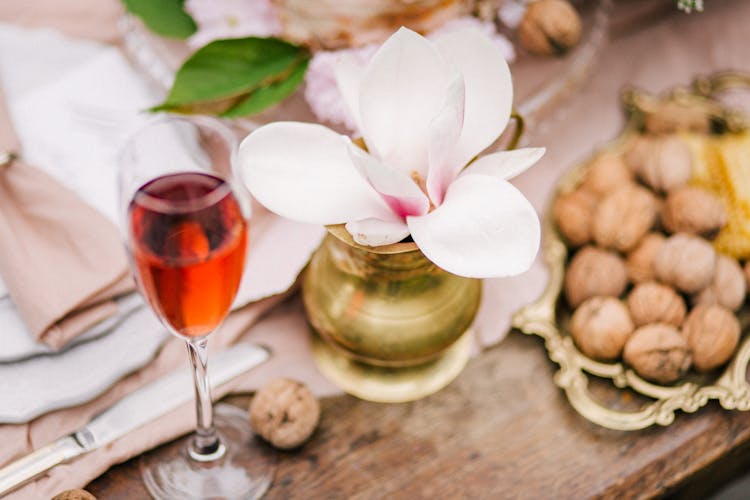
x: 132, y: 411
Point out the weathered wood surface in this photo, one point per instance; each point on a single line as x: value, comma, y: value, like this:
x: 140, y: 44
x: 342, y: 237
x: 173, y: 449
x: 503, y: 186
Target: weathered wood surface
x: 501, y: 430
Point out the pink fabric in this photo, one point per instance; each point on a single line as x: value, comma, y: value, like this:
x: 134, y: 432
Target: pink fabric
x: 654, y: 57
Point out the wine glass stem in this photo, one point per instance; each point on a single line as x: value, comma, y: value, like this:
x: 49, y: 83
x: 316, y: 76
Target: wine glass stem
x: 206, y: 444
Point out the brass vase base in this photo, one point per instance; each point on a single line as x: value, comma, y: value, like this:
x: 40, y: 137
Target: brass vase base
x: 391, y: 385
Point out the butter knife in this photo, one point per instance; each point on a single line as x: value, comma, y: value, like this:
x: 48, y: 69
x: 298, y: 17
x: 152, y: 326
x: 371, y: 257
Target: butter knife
x: 131, y: 412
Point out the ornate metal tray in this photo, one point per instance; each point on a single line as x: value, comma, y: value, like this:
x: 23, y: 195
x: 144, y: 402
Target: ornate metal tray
x: 547, y: 317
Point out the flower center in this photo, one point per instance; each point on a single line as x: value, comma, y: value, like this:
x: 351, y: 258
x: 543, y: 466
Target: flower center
x: 423, y: 187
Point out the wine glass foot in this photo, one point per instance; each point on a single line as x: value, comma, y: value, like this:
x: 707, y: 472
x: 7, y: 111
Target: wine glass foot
x: 245, y: 471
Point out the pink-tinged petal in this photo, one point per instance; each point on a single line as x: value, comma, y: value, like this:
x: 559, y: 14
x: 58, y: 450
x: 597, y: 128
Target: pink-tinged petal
x: 332, y: 84
x: 403, y: 89
x: 485, y: 228
x: 489, y: 89
x: 398, y: 190
x: 303, y: 172
x: 505, y: 164
x: 348, y: 71
x: 445, y: 130
x: 376, y: 232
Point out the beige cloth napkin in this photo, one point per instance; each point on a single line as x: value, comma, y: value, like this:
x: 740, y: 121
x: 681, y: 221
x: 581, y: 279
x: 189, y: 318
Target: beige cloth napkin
x: 62, y: 261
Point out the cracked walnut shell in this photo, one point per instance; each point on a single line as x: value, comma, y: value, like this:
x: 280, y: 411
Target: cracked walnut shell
x: 693, y: 210
x: 653, y: 302
x: 624, y: 216
x: 712, y: 332
x: 606, y: 173
x: 663, y: 162
x: 600, y: 327
x: 593, y: 271
x: 550, y: 27
x: 728, y: 287
x: 658, y: 353
x: 285, y: 413
x: 686, y: 262
x: 573, y: 213
x: 640, y: 260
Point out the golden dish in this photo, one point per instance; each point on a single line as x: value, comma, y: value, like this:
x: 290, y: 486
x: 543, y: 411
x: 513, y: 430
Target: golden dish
x: 710, y: 127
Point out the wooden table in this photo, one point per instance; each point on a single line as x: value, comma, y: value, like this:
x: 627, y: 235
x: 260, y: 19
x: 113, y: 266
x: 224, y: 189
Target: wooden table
x: 501, y: 430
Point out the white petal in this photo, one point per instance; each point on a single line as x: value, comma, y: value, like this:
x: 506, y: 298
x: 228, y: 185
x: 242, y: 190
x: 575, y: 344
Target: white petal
x: 303, y: 172
x: 403, y: 89
x: 489, y: 89
x: 376, y: 232
x: 445, y: 130
x: 484, y: 228
x: 505, y: 164
x: 398, y: 190
x: 349, y: 71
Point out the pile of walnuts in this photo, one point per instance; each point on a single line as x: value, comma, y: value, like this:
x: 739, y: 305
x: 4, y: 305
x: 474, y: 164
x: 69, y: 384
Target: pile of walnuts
x: 646, y: 284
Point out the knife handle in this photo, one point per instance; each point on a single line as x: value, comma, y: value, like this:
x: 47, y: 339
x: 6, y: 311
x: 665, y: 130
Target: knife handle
x: 37, y: 462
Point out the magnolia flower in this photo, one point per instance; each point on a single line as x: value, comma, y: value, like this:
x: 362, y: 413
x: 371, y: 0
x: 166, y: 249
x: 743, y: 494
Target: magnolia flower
x: 425, y: 111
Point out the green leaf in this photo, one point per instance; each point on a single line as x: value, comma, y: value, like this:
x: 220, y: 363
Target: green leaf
x: 235, y: 68
x: 164, y: 17
x: 269, y: 95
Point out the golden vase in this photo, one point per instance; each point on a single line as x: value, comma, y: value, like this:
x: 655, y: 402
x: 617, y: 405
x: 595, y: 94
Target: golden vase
x: 391, y: 326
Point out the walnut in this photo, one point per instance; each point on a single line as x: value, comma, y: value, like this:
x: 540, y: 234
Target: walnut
x: 600, y: 327
x: 669, y: 117
x: 652, y: 302
x: 640, y: 261
x: 693, y: 210
x: 74, y: 495
x: 686, y: 262
x: 663, y: 162
x: 573, y: 213
x: 550, y: 27
x: 285, y: 413
x: 624, y: 216
x: 712, y: 332
x: 594, y: 271
x: 606, y: 173
x: 728, y: 287
x: 658, y: 353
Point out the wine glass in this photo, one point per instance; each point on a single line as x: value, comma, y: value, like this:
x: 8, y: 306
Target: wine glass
x: 184, y: 222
